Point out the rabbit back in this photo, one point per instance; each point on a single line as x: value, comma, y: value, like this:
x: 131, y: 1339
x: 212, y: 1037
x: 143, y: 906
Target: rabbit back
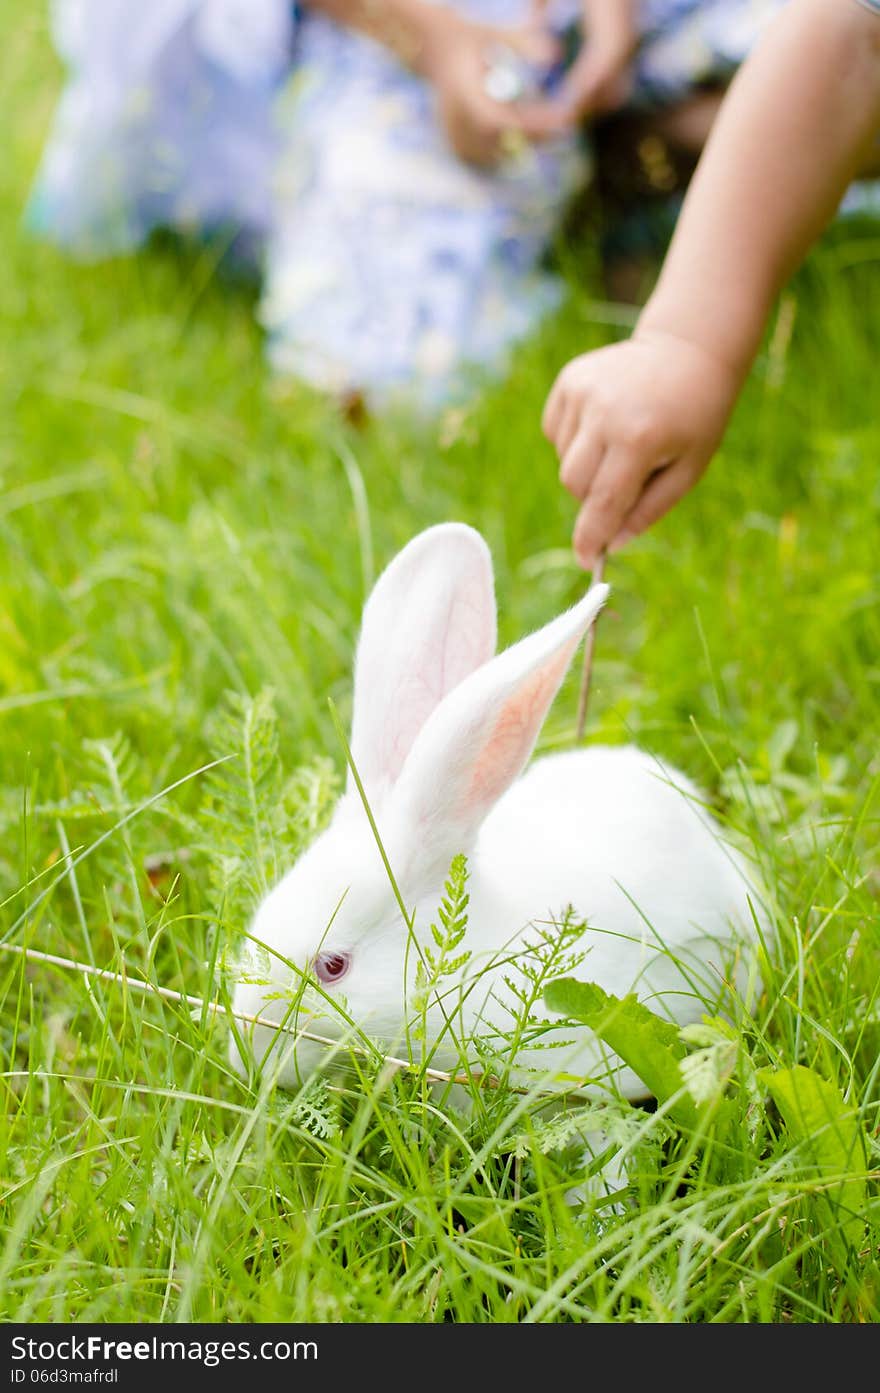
x: 669, y: 906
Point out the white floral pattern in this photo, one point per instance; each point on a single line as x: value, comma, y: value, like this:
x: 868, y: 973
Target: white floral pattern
x: 387, y: 265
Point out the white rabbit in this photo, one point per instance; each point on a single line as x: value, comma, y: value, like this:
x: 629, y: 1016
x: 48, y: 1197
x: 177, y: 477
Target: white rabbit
x: 441, y: 732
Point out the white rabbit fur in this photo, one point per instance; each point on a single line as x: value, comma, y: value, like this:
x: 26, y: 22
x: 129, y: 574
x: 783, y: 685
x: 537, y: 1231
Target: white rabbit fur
x: 441, y: 732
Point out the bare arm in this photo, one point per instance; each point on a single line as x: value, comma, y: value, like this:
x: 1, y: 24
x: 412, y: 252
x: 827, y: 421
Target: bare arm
x: 790, y: 136
x: 635, y: 425
x: 599, y: 78
x: 410, y: 28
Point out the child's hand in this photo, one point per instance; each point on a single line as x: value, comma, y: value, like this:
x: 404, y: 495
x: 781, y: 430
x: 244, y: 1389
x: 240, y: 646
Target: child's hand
x: 600, y: 78
x: 635, y: 426
x: 456, y: 63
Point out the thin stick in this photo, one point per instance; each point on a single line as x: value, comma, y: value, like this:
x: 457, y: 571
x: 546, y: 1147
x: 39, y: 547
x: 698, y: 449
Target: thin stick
x: 589, y: 643
x: 216, y: 1008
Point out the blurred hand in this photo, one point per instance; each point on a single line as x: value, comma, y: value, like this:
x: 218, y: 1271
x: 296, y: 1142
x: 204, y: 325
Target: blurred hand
x: 479, y: 129
x: 635, y: 426
x: 600, y: 78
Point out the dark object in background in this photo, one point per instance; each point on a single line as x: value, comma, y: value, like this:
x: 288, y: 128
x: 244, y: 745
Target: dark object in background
x: 644, y: 163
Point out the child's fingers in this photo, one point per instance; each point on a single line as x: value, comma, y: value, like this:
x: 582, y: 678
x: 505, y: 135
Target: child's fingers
x: 566, y: 430
x: 582, y: 459
x: 613, y: 492
x: 565, y: 403
x: 660, y: 494
x: 535, y: 42
x: 596, y: 81
x: 553, y: 409
x: 581, y: 83
x: 544, y: 119
x: 493, y: 117
x: 482, y: 127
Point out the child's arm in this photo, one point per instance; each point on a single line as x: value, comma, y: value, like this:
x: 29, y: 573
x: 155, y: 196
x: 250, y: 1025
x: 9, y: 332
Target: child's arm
x: 410, y: 28
x: 635, y: 425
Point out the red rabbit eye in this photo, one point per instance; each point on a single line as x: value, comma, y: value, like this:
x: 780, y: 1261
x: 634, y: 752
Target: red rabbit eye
x: 331, y: 967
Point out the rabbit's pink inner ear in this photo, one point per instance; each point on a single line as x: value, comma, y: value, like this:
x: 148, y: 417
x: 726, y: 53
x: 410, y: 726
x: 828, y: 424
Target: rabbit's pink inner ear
x: 413, y: 703
x: 516, y: 730
x: 453, y: 646
x: 428, y: 624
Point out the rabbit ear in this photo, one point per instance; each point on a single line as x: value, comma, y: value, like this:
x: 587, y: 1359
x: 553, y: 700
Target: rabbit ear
x: 428, y: 623
x: 479, y: 739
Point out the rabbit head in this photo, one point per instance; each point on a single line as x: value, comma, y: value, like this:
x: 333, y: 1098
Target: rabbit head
x: 441, y: 729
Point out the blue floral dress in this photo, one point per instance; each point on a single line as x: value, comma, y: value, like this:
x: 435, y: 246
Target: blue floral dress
x: 386, y: 264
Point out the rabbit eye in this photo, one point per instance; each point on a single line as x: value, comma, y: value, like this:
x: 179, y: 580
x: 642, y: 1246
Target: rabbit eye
x: 331, y: 967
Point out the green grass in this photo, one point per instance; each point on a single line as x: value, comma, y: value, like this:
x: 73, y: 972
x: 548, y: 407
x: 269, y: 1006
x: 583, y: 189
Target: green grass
x: 178, y: 535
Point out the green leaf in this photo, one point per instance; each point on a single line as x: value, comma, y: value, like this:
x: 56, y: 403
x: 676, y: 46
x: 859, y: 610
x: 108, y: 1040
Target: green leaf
x: 316, y: 1110
x: 827, y: 1128
x: 643, y: 1040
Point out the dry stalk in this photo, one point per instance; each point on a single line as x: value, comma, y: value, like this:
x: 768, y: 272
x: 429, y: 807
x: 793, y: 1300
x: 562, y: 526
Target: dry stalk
x: 587, y: 673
